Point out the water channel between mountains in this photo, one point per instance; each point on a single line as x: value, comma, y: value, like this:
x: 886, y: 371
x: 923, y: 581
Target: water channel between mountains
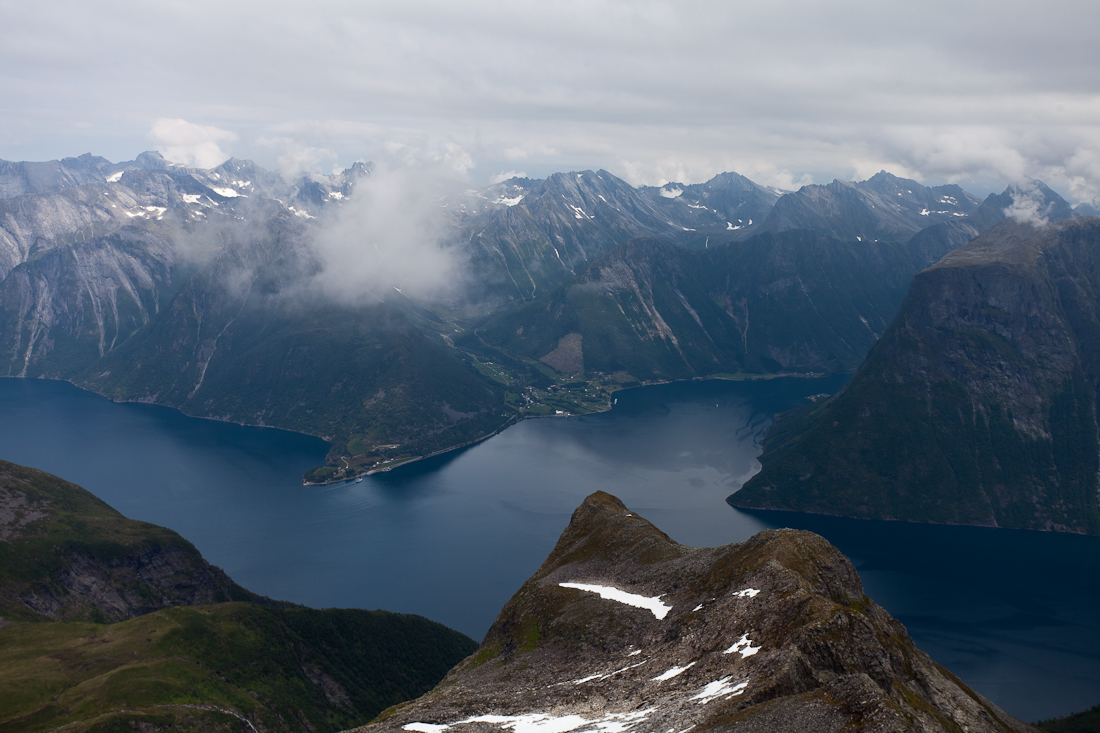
x: 1015, y: 614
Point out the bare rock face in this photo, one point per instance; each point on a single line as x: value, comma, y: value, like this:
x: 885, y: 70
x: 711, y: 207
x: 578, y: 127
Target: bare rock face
x: 623, y: 629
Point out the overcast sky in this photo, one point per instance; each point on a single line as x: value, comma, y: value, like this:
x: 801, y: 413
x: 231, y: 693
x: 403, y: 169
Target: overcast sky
x: 785, y: 92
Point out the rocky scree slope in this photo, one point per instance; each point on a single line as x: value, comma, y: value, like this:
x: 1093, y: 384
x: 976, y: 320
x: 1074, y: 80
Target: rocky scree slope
x: 64, y: 554
x: 623, y: 629
x: 977, y: 406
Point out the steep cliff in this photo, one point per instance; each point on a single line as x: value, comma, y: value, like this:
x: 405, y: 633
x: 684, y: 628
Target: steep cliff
x: 977, y: 406
x: 623, y: 629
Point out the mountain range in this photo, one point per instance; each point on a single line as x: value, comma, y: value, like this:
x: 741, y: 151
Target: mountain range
x: 201, y: 290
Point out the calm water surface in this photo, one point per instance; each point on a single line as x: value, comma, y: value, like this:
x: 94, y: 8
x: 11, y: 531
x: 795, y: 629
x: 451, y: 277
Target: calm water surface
x: 1015, y: 614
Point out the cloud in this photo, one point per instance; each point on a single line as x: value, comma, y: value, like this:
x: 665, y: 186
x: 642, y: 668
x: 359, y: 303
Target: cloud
x: 392, y: 233
x: 651, y: 90
x: 294, y: 159
x: 1029, y: 204
x: 186, y: 143
x: 505, y: 175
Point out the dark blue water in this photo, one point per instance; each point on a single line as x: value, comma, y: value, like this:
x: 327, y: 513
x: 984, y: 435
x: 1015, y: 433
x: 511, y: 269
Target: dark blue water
x: 1015, y: 614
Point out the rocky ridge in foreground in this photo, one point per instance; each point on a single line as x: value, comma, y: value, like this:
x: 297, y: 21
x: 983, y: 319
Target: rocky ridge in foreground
x: 622, y: 629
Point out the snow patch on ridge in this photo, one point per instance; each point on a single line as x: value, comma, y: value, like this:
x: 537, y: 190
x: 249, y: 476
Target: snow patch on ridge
x: 653, y: 605
x: 716, y: 689
x: 672, y: 672
x: 542, y: 723
x: 743, y: 645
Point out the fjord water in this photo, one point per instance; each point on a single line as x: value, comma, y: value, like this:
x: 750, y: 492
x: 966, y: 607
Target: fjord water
x: 1014, y: 614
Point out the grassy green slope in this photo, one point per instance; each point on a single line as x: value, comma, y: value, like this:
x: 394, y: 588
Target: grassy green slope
x: 284, y: 669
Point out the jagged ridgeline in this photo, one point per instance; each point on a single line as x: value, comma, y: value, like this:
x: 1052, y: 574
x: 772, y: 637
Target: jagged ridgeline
x: 977, y: 406
x: 148, y: 627
x: 809, y: 288
x: 622, y: 629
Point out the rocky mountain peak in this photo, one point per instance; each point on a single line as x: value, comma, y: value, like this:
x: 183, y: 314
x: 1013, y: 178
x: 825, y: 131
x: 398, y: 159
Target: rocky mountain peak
x: 884, y: 207
x: 1028, y: 197
x: 623, y: 629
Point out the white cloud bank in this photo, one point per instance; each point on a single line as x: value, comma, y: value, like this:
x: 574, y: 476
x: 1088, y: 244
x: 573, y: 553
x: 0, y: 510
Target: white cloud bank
x: 1028, y: 204
x: 391, y: 234
x: 180, y: 141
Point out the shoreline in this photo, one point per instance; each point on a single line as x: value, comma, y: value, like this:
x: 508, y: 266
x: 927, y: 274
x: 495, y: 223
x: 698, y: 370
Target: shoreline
x: 514, y: 420
x: 517, y: 418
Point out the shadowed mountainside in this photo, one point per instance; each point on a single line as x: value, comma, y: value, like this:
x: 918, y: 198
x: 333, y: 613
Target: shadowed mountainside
x: 977, y: 406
